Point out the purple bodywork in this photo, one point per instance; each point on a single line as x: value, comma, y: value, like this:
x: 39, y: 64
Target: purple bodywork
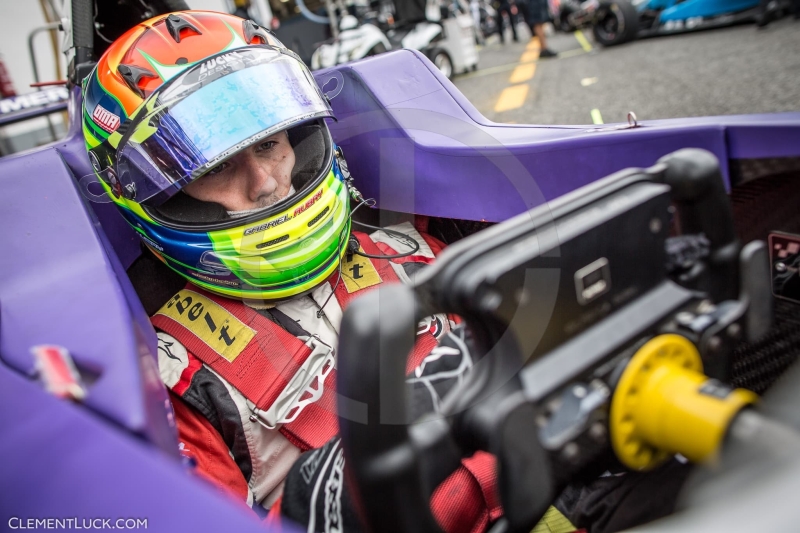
x: 412, y: 141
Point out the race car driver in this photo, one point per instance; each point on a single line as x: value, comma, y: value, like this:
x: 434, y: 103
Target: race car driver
x: 209, y: 137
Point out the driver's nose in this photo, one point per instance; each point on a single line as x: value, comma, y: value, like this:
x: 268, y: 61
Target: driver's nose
x: 258, y: 180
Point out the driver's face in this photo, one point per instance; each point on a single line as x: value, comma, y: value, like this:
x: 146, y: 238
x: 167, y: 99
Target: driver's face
x: 257, y: 177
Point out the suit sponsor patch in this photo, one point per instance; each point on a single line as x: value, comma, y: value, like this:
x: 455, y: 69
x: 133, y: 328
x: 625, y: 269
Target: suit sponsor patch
x: 358, y: 273
x: 219, y: 329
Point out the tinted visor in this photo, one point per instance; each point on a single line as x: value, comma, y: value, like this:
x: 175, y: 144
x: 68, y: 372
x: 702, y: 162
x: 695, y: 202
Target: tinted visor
x: 207, y: 114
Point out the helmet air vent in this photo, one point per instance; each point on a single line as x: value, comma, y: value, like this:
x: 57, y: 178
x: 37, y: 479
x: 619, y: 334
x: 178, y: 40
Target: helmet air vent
x: 132, y: 74
x: 318, y: 217
x: 176, y: 24
x: 273, y: 241
x: 252, y: 30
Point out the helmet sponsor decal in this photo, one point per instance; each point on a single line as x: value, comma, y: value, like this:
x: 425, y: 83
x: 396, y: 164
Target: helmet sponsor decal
x: 284, y: 218
x: 311, y: 201
x: 219, y: 329
x: 209, y: 279
x: 220, y: 64
x: 213, y: 264
x: 105, y: 119
x: 215, y: 68
x: 267, y: 225
x: 151, y: 242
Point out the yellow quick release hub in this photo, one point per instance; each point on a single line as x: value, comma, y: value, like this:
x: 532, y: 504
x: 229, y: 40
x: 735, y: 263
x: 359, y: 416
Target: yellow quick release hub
x: 664, y: 405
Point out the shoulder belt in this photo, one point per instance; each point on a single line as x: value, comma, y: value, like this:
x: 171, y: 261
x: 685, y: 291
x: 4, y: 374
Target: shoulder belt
x: 426, y: 341
x: 282, y: 376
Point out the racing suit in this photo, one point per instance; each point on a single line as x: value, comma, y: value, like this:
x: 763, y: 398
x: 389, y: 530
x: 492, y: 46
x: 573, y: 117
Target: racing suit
x: 235, y: 441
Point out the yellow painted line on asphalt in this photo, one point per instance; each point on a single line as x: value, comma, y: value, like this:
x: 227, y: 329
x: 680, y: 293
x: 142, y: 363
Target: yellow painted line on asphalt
x: 581, y: 38
x: 597, y: 118
x: 488, y: 71
x: 533, y: 44
x: 530, y: 55
x: 571, y: 53
x: 523, y: 73
x: 511, y: 98
x: 512, y: 66
x: 514, y: 97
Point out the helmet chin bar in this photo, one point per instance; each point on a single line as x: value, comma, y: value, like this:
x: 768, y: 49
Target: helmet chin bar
x: 594, y: 335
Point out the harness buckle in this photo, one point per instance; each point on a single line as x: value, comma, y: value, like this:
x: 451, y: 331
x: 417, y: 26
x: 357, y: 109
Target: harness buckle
x: 309, y: 378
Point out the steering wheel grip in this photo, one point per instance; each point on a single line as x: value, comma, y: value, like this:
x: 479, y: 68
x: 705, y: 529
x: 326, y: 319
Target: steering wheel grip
x: 703, y: 207
x: 397, y: 464
x: 376, y: 336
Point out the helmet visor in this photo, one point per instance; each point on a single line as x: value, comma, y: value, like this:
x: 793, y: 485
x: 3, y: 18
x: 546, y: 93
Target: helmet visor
x: 209, y: 113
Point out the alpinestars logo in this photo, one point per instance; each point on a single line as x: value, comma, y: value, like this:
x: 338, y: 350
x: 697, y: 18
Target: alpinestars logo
x: 166, y: 347
x: 310, y: 465
x: 105, y: 119
x: 333, y: 496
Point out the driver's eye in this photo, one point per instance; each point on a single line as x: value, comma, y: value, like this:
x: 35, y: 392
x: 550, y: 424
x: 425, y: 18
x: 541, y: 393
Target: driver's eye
x: 269, y: 145
x: 217, y: 169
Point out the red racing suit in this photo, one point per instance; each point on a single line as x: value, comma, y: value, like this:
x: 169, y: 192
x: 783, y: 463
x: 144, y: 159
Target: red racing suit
x: 252, y: 388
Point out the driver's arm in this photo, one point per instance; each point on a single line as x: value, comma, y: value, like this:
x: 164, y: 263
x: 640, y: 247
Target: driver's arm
x: 203, y: 446
x: 466, y: 502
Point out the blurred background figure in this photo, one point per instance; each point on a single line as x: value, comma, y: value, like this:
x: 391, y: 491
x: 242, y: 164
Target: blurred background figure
x: 507, y: 8
x: 241, y: 8
x: 475, y: 12
x: 485, y: 18
x: 6, y: 85
x: 537, y: 14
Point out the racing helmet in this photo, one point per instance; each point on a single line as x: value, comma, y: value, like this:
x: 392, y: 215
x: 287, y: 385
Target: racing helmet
x: 176, y: 97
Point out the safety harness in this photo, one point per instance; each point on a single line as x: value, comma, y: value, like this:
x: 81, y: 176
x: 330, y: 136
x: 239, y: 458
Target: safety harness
x: 279, y: 368
x: 286, y: 374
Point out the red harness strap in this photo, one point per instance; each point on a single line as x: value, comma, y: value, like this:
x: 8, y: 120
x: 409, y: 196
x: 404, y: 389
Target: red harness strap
x: 305, y: 432
x: 261, y: 370
x: 483, y: 467
x: 263, y: 367
x: 425, y: 343
x: 384, y: 268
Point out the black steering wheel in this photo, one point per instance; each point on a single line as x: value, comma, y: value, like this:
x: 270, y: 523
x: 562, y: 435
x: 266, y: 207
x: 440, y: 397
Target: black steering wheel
x: 398, y: 460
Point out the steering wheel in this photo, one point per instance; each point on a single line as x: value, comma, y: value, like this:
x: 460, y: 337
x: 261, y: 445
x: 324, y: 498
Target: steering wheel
x: 397, y: 460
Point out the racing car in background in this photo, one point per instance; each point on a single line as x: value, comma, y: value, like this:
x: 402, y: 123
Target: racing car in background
x: 618, y: 21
